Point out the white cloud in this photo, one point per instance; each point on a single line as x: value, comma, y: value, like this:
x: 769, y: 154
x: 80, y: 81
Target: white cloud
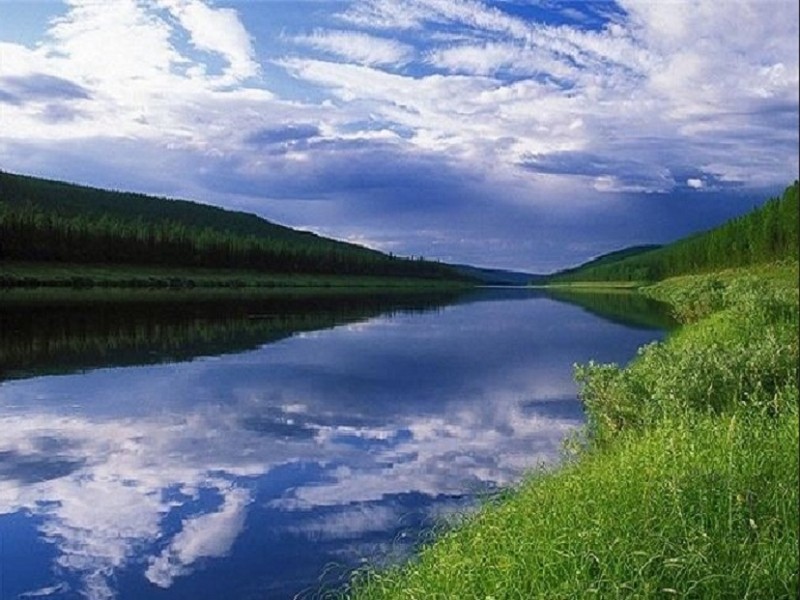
x: 694, y: 183
x: 475, y: 118
x: 351, y: 521
x: 490, y: 57
x: 671, y: 74
x: 358, y: 47
x: 385, y: 14
x: 107, y: 500
x: 714, y: 55
x: 139, y: 84
x: 219, y: 31
x: 208, y: 535
x: 674, y: 72
x: 475, y: 14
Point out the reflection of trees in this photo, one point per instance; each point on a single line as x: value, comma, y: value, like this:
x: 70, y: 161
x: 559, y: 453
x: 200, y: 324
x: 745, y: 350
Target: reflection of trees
x: 49, y: 337
x: 84, y: 331
x: 624, y: 307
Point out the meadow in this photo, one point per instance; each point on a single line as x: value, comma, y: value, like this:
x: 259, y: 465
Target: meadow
x: 684, y: 483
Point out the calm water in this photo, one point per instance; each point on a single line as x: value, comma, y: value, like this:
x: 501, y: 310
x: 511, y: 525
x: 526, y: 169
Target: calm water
x: 265, y: 448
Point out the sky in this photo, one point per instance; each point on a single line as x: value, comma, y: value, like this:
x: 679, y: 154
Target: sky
x: 519, y: 134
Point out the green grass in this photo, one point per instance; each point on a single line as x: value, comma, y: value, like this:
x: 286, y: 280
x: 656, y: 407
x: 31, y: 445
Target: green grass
x: 692, y: 509
x: 41, y: 275
x: 684, y: 485
x: 593, y: 286
x: 696, y: 296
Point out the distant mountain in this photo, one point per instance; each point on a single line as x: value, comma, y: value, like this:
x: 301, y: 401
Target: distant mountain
x: 497, y: 276
x: 766, y: 234
x: 51, y: 221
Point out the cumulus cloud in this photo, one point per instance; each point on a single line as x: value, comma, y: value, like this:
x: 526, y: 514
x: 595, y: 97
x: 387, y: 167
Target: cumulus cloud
x: 120, y: 60
x: 635, y: 75
x: 694, y: 183
x: 209, y: 535
x: 17, y: 89
x: 659, y: 93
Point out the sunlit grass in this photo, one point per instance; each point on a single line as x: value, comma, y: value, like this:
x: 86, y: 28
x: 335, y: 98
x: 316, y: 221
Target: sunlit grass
x: 685, y: 484
x: 593, y: 286
x: 699, y: 508
x: 696, y: 296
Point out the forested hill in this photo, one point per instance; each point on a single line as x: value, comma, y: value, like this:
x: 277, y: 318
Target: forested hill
x: 767, y: 234
x: 502, y: 277
x: 51, y: 221
x: 608, y: 259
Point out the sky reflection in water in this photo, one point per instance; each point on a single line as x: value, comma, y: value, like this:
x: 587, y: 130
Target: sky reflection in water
x: 246, y: 475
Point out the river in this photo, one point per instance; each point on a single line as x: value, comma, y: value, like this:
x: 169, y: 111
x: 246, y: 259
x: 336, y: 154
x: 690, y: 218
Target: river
x: 166, y: 448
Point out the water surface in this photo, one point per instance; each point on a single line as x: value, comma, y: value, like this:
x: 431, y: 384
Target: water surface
x: 264, y: 449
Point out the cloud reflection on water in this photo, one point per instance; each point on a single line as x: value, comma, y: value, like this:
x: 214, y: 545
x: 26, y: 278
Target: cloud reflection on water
x: 329, y: 437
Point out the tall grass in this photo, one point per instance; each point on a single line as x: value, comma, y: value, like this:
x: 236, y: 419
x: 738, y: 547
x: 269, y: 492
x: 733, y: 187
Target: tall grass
x: 741, y: 350
x: 686, y: 487
x: 692, y: 509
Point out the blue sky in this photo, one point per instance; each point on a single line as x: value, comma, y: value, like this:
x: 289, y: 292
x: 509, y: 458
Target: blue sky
x: 528, y: 134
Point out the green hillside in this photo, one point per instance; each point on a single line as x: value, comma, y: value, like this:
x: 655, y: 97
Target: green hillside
x: 76, y: 200
x: 608, y: 259
x: 45, y: 221
x: 766, y: 234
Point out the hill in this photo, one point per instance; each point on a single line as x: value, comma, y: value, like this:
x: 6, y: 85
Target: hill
x: 607, y: 259
x: 768, y: 233
x: 497, y: 276
x: 47, y: 221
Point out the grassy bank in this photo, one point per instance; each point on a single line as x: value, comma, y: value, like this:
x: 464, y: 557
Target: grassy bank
x: 685, y: 486
x: 65, y: 275
x: 593, y: 286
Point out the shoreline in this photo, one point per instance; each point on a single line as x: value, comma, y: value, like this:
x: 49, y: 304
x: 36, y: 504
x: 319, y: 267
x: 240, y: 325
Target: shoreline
x: 32, y: 276
x: 684, y: 482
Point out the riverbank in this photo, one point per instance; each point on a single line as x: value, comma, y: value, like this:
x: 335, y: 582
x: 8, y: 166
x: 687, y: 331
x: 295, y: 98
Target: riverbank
x: 593, y: 286
x: 66, y: 275
x: 685, y: 484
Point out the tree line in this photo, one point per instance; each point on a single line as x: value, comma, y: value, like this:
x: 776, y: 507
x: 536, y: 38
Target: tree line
x: 768, y: 233
x: 99, y: 227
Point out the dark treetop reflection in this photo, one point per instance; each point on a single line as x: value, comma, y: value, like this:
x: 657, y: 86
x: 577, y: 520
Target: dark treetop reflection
x: 244, y: 475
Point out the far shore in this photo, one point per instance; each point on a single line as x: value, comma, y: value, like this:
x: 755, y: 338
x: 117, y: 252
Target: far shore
x: 593, y: 286
x: 28, y: 275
